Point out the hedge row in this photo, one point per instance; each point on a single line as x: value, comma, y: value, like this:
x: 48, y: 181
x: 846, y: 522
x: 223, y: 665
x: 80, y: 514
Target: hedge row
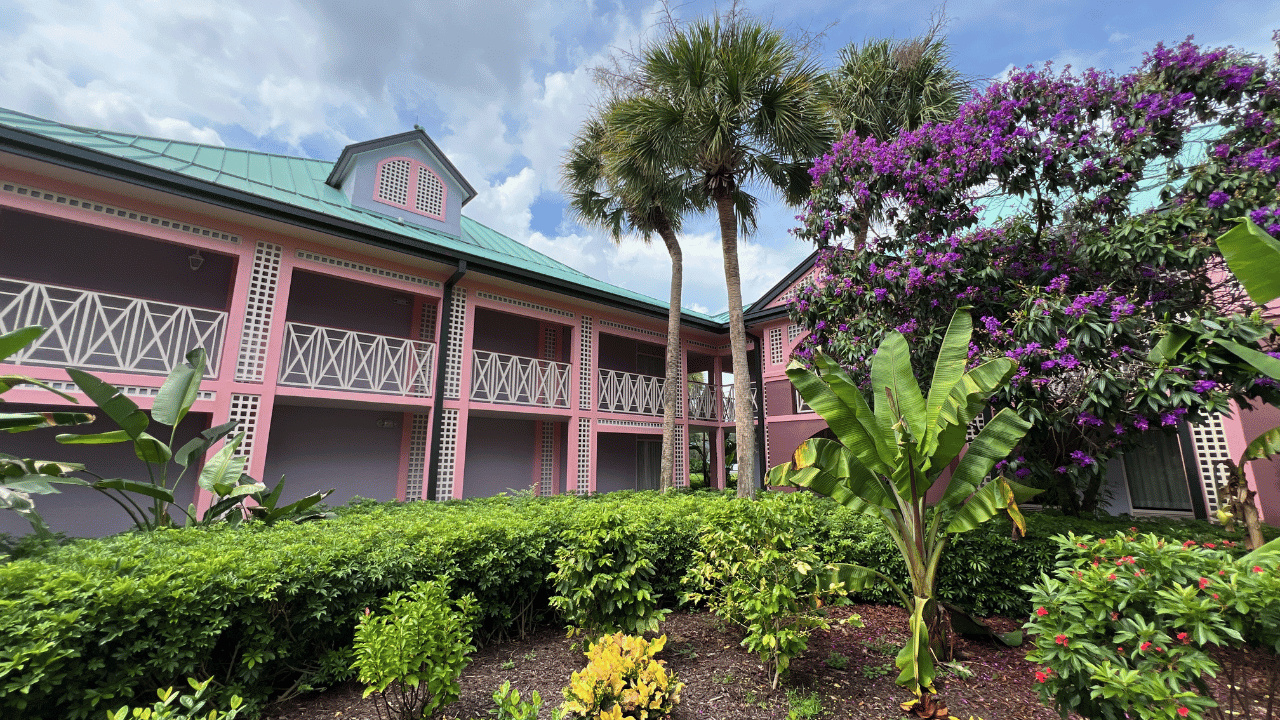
x: 270, y: 611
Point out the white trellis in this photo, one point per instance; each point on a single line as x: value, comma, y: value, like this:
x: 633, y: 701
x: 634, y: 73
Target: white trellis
x: 625, y: 392
x: 726, y: 400
x: 702, y: 401
x: 518, y: 380
x: 100, y: 331
x: 800, y: 405
x: 324, y: 358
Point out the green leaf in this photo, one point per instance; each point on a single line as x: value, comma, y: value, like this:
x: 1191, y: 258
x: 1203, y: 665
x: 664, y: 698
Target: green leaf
x: 1169, y: 345
x: 151, y: 449
x: 891, y: 374
x: 110, y: 437
x: 9, y: 382
x: 1261, y: 362
x: 916, y: 660
x: 836, y: 398
x: 1253, y: 256
x: 22, y: 422
x: 133, y: 486
x: 1263, y: 446
x: 119, y: 408
x: 180, y: 389
x: 196, y: 447
x: 1262, y: 553
x: 985, y: 503
x: 225, y: 467
x: 998, y: 437
x: 12, y: 342
x: 947, y: 372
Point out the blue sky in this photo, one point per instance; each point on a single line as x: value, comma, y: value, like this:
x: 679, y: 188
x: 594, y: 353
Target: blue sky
x: 501, y: 85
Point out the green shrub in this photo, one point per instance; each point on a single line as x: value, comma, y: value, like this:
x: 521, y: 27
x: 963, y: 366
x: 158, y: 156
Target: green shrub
x: 413, y: 655
x: 752, y: 568
x: 622, y: 679
x: 176, y: 706
x: 509, y: 706
x: 1123, y: 628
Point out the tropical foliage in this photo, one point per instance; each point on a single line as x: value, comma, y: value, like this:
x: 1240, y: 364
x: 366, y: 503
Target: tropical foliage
x: 1032, y: 207
x: 622, y: 679
x: 887, y: 456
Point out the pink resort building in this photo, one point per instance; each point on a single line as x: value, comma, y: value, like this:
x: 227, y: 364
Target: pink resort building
x: 371, y: 338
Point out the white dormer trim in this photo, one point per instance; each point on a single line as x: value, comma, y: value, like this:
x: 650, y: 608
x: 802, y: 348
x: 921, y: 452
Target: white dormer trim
x: 410, y: 185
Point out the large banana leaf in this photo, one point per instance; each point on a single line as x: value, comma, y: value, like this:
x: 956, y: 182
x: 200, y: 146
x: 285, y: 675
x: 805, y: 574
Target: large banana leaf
x: 133, y: 486
x: 967, y: 399
x: 12, y: 342
x: 1263, y: 446
x: 994, y: 442
x: 1261, y: 362
x: 225, y: 468
x: 836, y: 398
x: 947, y: 373
x: 22, y: 422
x: 198, y: 445
x: 114, y: 403
x: 826, y: 467
x: 896, y: 392
x: 180, y: 389
x: 1253, y: 256
x: 916, y: 659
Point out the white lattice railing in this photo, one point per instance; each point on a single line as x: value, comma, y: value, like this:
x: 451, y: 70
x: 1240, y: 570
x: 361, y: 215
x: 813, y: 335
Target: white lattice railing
x: 625, y: 392
x: 702, y: 401
x: 100, y: 331
x: 800, y: 405
x: 517, y: 380
x: 323, y: 358
x: 726, y: 400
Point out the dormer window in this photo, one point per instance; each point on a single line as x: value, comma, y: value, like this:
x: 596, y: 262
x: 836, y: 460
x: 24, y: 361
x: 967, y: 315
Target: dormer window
x: 409, y: 185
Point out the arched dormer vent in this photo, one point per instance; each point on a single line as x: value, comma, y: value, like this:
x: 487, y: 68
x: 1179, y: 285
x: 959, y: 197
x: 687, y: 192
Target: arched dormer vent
x: 410, y: 185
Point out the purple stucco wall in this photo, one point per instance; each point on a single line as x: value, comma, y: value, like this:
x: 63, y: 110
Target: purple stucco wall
x: 506, y: 333
x: 340, y: 448
x: 616, y: 462
x: 334, y: 302
x: 500, y: 456
x: 57, y: 252
x: 81, y: 511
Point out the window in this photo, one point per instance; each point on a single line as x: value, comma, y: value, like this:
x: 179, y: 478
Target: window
x: 410, y: 185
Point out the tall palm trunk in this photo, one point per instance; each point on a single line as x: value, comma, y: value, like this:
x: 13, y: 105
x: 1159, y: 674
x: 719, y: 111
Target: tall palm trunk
x: 743, y: 413
x: 670, y: 392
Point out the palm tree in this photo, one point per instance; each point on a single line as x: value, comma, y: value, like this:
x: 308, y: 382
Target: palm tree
x: 607, y: 189
x: 736, y: 104
x: 885, y: 86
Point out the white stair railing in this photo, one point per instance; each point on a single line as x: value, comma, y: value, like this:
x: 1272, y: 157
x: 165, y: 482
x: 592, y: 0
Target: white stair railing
x: 101, y: 331
x: 518, y: 380
x: 800, y: 405
x: 726, y: 400
x: 702, y: 401
x: 323, y: 358
x: 624, y: 392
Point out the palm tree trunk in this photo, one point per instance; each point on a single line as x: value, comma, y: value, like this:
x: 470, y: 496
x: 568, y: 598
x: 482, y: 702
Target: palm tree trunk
x: 743, y: 414
x: 674, y: 377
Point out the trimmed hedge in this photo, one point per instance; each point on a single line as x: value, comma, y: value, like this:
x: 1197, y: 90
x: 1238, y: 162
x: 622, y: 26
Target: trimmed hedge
x: 270, y: 611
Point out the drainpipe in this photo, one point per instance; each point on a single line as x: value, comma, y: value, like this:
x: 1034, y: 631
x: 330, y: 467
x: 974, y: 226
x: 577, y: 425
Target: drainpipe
x: 756, y: 377
x: 437, y: 407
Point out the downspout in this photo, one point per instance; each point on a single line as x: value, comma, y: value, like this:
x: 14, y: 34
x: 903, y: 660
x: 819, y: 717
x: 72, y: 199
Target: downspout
x: 437, y: 407
x: 758, y: 379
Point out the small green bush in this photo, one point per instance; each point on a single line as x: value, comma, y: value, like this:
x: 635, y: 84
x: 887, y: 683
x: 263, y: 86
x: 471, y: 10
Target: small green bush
x: 622, y: 679
x: 413, y: 655
x: 1123, y: 627
x: 509, y: 706
x: 177, y: 706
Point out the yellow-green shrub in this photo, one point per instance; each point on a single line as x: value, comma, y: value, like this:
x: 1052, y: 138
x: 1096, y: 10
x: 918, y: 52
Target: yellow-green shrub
x: 622, y: 680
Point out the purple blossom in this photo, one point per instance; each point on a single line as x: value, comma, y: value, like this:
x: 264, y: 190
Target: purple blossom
x: 1081, y: 458
x: 1203, y: 386
x: 1058, y: 284
x: 1171, y: 417
x: 1141, y: 423
x: 1217, y: 199
x: 881, y: 294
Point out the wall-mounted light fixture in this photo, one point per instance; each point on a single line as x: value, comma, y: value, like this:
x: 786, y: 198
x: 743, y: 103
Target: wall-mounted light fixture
x: 195, y: 260
x: 386, y: 423
x: 401, y: 300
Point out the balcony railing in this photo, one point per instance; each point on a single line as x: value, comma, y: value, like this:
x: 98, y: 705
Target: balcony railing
x: 800, y: 405
x: 702, y: 401
x: 516, y: 380
x: 624, y: 392
x: 100, y: 331
x: 322, y: 358
x: 726, y: 400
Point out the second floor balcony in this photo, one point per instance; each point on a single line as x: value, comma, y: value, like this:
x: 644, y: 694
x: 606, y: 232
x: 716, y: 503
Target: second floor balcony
x: 324, y: 358
x: 517, y: 380
x: 103, y: 331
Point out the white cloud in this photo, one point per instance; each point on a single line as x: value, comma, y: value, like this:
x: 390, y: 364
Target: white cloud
x: 1117, y: 37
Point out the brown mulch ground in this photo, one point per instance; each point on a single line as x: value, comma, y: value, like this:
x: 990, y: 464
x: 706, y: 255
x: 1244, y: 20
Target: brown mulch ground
x: 724, y: 682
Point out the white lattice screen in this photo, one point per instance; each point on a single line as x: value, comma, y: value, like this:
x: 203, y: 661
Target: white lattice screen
x: 584, y: 364
x: 547, y: 475
x: 793, y: 332
x: 418, y: 439
x: 448, y: 453
x: 550, y: 342
x: 775, y: 346
x: 453, y: 356
x: 1210, y: 441
x: 263, y: 280
x: 681, y: 477
x: 974, y: 428
x: 584, y: 455
x: 393, y: 182
x: 244, y: 410
x: 427, y: 323
x: 430, y: 199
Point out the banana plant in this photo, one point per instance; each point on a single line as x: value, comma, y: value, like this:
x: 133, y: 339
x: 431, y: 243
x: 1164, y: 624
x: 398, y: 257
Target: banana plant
x: 884, y: 461
x: 20, y: 478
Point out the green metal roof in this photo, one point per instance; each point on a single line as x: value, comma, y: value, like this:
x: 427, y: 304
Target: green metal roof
x: 300, y: 182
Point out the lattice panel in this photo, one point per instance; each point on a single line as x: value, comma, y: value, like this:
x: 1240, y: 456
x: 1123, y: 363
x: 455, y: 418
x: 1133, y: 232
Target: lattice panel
x: 793, y: 332
x: 457, y: 333
x: 448, y: 453
x: 118, y: 212
x: 525, y: 304
x: 393, y: 182
x: 681, y: 405
x: 634, y: 329
x: 550, y: 343
x: 584, y: 364
x: 764, y: 428
x: 775, y: 346
x: 584, y: 455
x: 263, y: 280
x: 368, y: 269
x: 681, y: 477
x: 974, y: 428
x: 547, y: 478
x: 130, y: 390
x: 419, y: 436
x: 1210, y: 441
x: 430, y: 199
x: 427, y: 323
x: 244, y: 410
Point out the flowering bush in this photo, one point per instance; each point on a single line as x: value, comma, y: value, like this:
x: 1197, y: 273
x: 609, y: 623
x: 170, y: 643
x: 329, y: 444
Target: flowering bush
x: 1127, y: 625
x: 1029, y: 208
x: 622, y: 680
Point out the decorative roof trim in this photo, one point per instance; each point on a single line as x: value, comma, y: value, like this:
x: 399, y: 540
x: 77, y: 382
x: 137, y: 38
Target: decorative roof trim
x: 369, y: 269
x: 349, y: 153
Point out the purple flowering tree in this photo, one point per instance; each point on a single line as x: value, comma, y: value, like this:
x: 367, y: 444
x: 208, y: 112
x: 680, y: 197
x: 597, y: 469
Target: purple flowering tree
x: 1026, y: 208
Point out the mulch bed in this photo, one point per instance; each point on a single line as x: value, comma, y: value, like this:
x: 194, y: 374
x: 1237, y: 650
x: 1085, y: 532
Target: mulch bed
x: 724, y: 682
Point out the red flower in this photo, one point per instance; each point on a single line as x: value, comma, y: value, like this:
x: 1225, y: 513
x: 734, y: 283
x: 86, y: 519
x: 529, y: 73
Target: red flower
x: 1041, y: 611
x: 1188, y: 543
x: 1115, y: 616
x: 1144, y: 647
x: 1183, y: 637
x: 1257, y: 569
x: 1183, y: 712
x: 1210, y: 545
x: 1204, y: 582
x: 1041, y: 676
x: 1060, y: 640
x: 1215, y: 596
x: 1112, y: 576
